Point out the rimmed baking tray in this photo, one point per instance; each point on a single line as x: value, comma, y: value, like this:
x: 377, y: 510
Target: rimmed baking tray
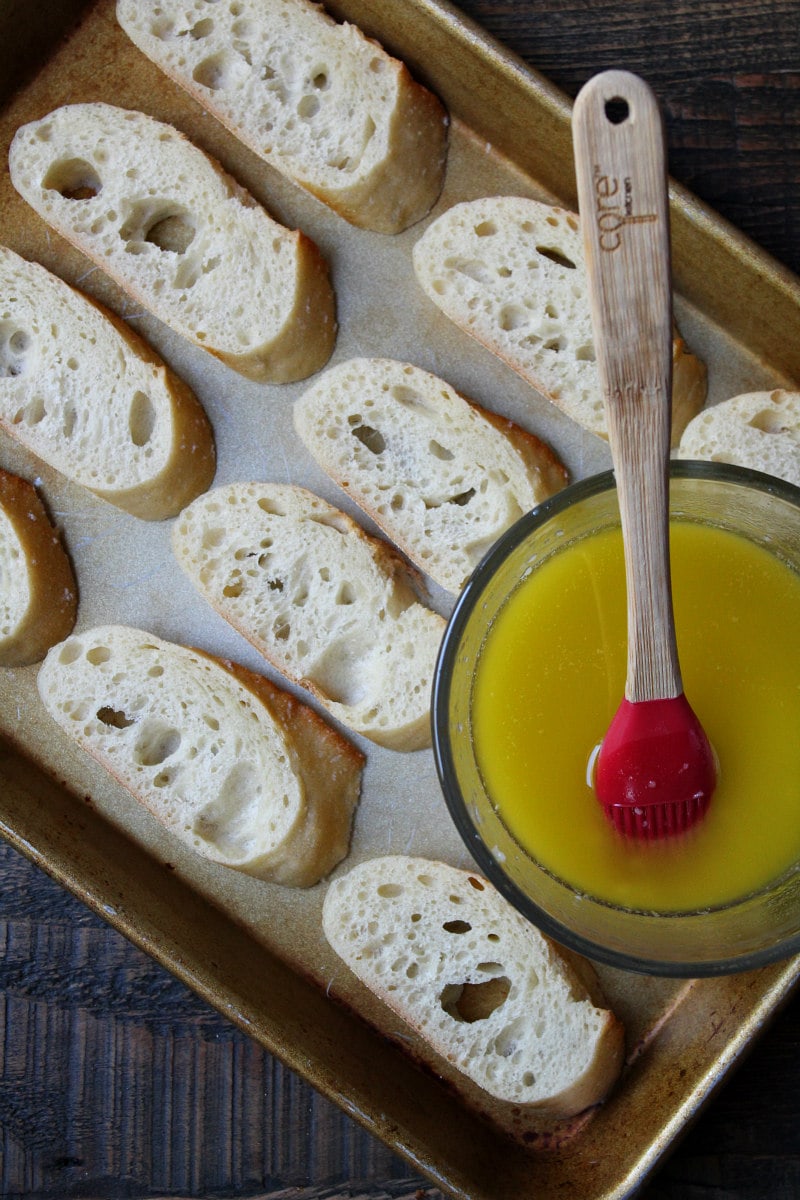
x: 256, y: 951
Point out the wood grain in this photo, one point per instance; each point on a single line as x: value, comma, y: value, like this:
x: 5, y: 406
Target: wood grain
x: 621, y: 166
x: 115, y: 1081
x: 725, y: 72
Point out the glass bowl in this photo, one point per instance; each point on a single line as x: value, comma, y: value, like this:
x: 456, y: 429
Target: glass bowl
x: 745, y: 933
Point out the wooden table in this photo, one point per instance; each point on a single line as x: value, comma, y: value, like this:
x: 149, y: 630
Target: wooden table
x: 115, y: 1081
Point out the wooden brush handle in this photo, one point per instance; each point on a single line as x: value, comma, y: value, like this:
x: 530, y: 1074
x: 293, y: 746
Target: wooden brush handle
x: 622, y: 190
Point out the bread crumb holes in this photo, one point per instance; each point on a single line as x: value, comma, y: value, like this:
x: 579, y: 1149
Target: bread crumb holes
x: 73, y: 179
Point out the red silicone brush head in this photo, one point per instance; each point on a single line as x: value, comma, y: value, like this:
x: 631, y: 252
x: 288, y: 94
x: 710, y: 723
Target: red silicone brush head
x: 655, y: 773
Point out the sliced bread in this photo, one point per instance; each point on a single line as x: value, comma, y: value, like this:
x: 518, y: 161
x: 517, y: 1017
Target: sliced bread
x: 759, y: 430
x: 238, y: 770
x: 447, y: 953
x: 442, y: 477
x: 511, y: 273
x: 331, y: 608
x: 324, y: 105
x: 180, y: 236
x: 84, y: 393
x: 38, y: 593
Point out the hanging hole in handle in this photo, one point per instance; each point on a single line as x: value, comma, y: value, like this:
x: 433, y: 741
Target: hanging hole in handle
x: 617, y: 110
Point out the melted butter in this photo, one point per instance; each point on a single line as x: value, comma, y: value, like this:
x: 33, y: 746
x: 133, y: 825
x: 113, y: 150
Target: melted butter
x: 552, y: 673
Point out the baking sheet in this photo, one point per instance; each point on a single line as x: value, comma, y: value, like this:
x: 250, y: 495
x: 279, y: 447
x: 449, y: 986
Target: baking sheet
x: 256, y: 950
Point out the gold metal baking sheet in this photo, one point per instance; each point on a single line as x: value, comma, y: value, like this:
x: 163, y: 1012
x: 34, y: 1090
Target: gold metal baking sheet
x: 255, y: 950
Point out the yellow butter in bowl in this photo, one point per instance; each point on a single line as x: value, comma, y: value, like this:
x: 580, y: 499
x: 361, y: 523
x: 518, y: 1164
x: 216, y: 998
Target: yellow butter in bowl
x: 531, y: 671
x: 538, y: 714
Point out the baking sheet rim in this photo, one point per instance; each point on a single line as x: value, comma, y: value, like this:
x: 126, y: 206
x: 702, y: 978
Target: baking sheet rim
x: 784, y: 978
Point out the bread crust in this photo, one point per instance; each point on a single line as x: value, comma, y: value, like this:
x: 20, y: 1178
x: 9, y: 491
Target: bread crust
x: 758, y: 430
x: 69, y: 396
x: 330, y: 607
x: 243, y: 774
x: 330, y: 767
x: 440, y: 475
x: 510, y: 272
x: 494, y: 998
x: 49, y: 580
x: 369, y: 142
x: 689, y: 387
x: 180, y: 236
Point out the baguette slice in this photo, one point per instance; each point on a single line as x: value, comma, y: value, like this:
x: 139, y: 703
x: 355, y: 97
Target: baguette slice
x: 238, y: 770
x: 324, y: 105
x: 511, y: 273
x: 38, y: 593
x: 759, y: 430
x: 180, y: 236
x: 442, y: 477
x: 496, y: 999
x: 330, y: 607
x: 84, y: 393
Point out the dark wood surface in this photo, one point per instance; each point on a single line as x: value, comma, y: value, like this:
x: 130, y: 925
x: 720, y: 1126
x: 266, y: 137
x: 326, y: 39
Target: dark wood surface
x: 115, y: 1081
